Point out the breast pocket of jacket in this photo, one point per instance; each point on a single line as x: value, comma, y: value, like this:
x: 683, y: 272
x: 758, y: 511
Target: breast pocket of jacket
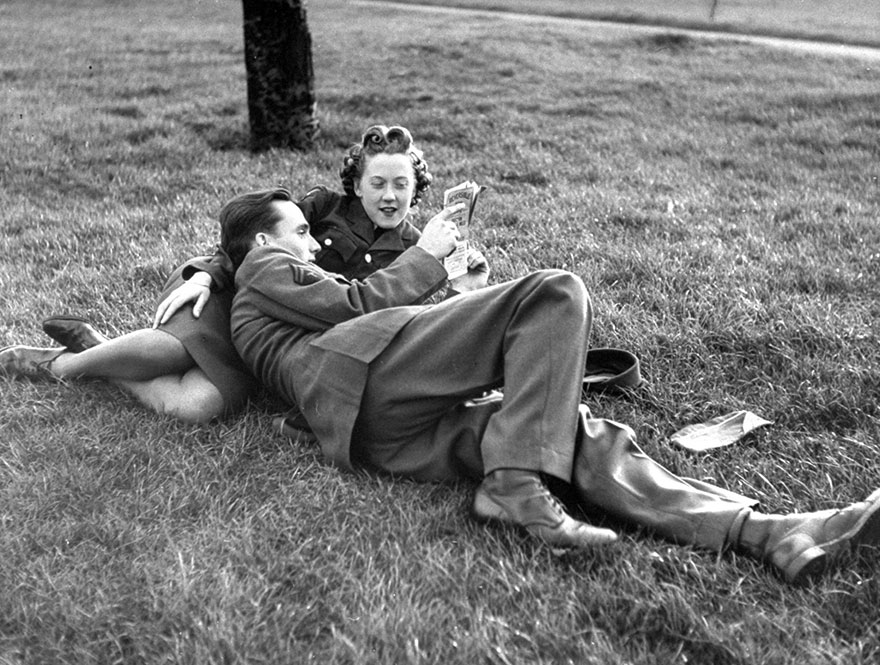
x: 337, y: 251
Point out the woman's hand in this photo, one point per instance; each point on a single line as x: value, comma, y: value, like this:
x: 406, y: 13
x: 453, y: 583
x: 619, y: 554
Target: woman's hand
x: 477, y: 275
x: 197, y: 288
x: 439, y: 235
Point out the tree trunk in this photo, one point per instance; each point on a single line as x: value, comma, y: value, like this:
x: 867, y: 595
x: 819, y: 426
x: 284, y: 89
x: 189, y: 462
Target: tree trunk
x: 280, y: 78
x: 712, y: 9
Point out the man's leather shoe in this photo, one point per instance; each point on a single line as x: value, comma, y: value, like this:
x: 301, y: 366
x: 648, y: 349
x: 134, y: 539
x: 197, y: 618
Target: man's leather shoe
x: 520, y: 498
x: 73, y: 332
x: 28, y: 361
x: 802, y: 545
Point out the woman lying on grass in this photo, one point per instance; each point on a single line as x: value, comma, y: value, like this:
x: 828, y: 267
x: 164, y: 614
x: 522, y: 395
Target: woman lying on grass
x: 185, y: 365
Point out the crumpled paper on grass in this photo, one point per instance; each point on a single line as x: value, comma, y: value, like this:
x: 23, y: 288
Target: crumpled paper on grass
x: 719, y: 431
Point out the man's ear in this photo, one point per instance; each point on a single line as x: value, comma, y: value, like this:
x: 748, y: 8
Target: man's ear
x: 261, y: 239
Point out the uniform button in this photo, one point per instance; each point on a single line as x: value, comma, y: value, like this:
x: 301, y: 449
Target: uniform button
x: 328, y: 242
x: 368, y: 258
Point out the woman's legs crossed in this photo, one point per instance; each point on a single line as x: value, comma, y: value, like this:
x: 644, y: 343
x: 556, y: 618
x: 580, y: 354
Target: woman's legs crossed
x: 190, y: 397
x: 136, y: 356
x: 155, y: 367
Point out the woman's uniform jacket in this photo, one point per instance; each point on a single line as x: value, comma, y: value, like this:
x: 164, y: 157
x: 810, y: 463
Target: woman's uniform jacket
x: 309, y: 335
x: 350, y: 243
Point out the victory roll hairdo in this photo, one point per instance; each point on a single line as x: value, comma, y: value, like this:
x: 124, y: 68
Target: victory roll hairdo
x: 381, y: 139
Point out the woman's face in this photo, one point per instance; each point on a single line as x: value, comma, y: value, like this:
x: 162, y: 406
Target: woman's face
x: 386, y: 188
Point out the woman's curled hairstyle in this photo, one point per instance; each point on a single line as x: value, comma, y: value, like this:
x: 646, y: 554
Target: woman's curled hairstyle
x: 381, y: 139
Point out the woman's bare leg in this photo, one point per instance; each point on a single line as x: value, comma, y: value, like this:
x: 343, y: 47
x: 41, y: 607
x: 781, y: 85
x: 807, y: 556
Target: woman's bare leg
x: 136, y: 356
x: 152, y: 365
x: 189, y: 397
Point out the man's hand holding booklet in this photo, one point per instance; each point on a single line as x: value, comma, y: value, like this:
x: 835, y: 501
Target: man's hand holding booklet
x: 467, y: 193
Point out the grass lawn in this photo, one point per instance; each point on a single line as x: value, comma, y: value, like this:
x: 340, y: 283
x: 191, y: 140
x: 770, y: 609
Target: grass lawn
x: 832, y: 20
x: 720, y: 200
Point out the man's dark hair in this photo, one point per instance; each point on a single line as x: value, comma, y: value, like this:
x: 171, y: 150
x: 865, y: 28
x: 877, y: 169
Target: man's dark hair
x: 247, y: 215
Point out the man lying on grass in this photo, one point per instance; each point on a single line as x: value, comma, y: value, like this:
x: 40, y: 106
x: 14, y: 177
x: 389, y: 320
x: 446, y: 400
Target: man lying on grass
x: 386, y: 382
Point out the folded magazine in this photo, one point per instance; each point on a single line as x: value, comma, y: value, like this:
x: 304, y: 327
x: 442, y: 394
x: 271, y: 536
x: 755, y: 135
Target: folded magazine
x: 467, y: 193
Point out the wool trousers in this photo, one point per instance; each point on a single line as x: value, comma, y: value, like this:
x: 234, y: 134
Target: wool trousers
x: 421, y: 416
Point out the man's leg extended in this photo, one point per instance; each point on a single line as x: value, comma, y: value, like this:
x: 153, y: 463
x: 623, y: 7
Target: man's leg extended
x: 613, y: 473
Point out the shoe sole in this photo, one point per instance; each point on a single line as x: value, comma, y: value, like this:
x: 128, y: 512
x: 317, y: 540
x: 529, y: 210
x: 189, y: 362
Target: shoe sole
x: 59, y: 334
x: 864, y: 533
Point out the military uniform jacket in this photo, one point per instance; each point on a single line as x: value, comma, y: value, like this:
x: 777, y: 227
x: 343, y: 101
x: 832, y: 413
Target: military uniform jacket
x: 309, y: 335
x: 350, y: 243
